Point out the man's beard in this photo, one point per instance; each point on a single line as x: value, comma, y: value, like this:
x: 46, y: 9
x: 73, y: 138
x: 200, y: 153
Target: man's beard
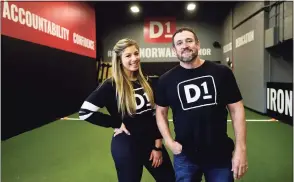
x: 188, y: 59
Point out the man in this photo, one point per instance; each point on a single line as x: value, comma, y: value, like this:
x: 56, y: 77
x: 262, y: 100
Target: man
x: 200, y: 93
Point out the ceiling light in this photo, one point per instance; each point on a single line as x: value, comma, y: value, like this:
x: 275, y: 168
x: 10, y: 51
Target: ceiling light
x: 135, y: 9
x: 191, y: 6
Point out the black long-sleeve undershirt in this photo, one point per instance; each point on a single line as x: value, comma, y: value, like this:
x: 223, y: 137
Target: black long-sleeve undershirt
x: 142, y: 124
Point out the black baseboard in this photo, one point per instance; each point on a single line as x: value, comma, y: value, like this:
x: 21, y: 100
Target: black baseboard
x: 265, y: 114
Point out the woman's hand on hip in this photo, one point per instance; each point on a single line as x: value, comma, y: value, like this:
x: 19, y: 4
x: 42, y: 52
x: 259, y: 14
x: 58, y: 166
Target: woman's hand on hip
x: 120, y: 130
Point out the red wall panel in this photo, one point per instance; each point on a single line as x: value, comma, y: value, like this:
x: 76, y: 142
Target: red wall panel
x: 69, y: 26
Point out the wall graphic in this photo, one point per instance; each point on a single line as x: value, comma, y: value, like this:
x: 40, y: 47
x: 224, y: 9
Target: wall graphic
x: 68, y: 26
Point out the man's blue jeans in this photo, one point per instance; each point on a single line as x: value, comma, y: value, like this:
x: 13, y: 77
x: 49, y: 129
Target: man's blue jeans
x: 188, y: 171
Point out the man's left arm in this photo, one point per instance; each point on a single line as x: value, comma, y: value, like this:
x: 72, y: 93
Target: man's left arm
x: 239, y: 161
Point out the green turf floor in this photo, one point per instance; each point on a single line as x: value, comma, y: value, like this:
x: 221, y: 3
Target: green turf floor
x: 76, y: 151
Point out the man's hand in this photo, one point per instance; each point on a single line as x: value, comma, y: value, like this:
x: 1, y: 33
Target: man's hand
x: 174, y: 146
x: 156, y: 156
x: 239, y: 163
x: 120, y: 130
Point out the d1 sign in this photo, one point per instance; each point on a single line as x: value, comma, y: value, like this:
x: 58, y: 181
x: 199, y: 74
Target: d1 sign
x: 159, y: 30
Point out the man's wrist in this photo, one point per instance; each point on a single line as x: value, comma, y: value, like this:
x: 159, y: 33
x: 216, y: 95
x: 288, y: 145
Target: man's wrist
x: 240, y: 147
x: 169, y: 141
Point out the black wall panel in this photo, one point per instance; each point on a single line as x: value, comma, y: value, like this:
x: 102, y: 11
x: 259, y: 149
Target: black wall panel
x: 40, y: 84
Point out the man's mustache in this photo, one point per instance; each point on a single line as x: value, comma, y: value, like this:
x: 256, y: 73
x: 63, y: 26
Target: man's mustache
x: 187, y: 49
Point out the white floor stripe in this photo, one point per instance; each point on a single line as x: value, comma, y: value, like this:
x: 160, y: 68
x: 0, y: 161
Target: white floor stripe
x: 250, y: 120
x: 170, y: 120
x: 256, y: 120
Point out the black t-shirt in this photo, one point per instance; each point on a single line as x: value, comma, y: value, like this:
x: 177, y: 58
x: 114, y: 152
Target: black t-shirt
x: 141, y: 125
x: 198, y: 99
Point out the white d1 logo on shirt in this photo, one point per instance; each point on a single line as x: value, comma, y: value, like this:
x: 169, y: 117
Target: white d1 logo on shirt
x: 197, y: 92
x: 142, y: 101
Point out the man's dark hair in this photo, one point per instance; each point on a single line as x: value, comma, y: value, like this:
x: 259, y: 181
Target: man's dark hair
x: 184, y: 29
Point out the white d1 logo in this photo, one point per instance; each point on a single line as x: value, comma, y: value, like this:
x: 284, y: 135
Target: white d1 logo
x: 142, y: 101
x: 197, y: 92
x: 159, y: 30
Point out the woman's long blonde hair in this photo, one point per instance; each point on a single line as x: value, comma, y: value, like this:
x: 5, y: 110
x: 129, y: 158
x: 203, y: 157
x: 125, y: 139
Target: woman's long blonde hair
x: 126, y: 101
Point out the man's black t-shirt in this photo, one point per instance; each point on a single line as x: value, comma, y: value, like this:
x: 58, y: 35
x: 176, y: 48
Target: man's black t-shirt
x: 142, y: 125
x: 198, y: 99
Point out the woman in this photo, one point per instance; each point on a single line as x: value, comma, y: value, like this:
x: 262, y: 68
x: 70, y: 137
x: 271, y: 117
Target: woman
x: 129, y: 99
